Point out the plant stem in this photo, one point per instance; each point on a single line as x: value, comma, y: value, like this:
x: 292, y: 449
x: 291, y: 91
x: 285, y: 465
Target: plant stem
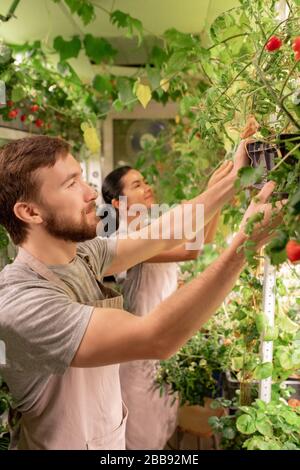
x: 286, y: 156
x: 228, y: 39
x: 11, y: 11
x: 232, y: 81
x: 278, y: 101
x: 287, y: 78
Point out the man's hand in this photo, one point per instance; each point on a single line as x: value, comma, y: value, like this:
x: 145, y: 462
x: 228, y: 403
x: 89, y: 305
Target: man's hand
x: 264, y: 230
x: 220, y: 173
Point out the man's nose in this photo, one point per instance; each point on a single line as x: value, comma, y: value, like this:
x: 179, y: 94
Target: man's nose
x: 90, y: 192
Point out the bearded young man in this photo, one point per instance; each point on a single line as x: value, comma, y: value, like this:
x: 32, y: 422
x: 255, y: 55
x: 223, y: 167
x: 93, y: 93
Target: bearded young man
x: 64, y: 332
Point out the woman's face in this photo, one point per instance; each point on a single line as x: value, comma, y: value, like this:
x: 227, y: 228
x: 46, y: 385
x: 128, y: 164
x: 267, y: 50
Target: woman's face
x: 136, y: 189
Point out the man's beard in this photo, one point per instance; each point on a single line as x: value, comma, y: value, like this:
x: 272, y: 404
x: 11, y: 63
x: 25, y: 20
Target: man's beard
x: 68, y: 230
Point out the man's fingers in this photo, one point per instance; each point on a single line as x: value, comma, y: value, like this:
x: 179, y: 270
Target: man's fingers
x: 280, y: 204
x: 265, y: 193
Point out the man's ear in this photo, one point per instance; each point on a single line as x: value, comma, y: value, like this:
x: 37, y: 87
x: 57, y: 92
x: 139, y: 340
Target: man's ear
x: 115, y: 203
x: 27, y: 213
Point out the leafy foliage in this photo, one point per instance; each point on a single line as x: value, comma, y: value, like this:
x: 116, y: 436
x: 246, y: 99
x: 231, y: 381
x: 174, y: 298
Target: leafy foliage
x: 261, y: 426
x: 67, y: 49
x: 83, y: 8
x: 123, y: 20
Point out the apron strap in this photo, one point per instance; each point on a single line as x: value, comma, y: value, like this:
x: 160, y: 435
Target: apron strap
x: 40, y: 268
x: 111, y: 298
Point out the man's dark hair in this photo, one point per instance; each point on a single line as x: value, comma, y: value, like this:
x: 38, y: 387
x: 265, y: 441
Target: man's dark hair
x: 19, y: 161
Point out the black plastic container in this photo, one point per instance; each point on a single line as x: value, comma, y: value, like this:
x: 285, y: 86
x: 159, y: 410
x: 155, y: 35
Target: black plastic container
x: 265, y: 154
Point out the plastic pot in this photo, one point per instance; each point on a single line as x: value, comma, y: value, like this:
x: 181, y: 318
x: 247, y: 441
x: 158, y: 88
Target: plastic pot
x: 266, y: 154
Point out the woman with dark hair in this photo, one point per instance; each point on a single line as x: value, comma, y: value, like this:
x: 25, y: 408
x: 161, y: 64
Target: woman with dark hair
x: 152, y: 417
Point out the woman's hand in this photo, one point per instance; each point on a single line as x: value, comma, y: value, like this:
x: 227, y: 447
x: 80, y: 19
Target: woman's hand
x: 220, y: 173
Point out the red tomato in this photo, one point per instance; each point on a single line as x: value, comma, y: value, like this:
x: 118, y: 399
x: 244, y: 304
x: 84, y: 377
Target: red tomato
x: 39, y: 122
x: 293, y: 251
x: 294, y: 402
x: 13, y: 113
x: 297, y: 56
x: 296, y: 44
x: 34, y: 108
x: 273, y: 44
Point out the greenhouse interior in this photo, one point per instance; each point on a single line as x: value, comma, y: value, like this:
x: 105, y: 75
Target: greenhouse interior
x: 168, y: 130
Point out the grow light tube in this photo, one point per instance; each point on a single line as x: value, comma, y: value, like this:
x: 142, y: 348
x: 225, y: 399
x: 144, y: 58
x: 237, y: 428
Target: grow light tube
x: 269, y: 283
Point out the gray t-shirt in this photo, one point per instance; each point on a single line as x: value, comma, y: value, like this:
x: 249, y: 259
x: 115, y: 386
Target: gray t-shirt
x: 40, y: 324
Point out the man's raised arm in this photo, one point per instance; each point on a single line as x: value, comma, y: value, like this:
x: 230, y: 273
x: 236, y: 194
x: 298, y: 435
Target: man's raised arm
x: 115, y: 336
x: 179, y: 225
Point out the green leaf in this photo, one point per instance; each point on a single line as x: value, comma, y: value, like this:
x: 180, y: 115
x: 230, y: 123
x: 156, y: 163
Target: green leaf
x: 119, y: 18
x: 276, y: 248
x: 259, y: 443
x: 83, y: 8
x: 102, y: 84
x: 118, y: 105
x: 296, y: 357
x: 179, y: 40
x: 253, y: 443
x: 250, y: 176
x: 176, y: 62
x: 125, y: 93
x: 263, y: 371
x: 295, y: 203
x: 5, y: 54
x: 285, y: 359
x: 261, y: 405
x: 279, y: 242
x: 237, y: 363
x: 245, y: 424
x: 153, y: 75
x: 270, y: 333
x: 213, y: 421
x: 67, y: 49
x: 18, y: 93
x: 123, y: 20
x: 286, y: 324
x: 158, y: 56
x: 291, y: 418
x: 98, y: 49
x: 228, y: 433
x: 186, y: 103
x: 277, y: 257
x: 289, y: 446
x: 264, y: 427
x: 260, y: 321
